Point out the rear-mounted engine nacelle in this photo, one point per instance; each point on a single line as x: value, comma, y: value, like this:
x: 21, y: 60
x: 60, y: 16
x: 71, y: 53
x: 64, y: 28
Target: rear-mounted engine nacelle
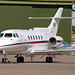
x: 56, y: 41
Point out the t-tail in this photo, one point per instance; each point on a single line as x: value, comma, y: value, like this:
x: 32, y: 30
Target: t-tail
x: 53, y: 27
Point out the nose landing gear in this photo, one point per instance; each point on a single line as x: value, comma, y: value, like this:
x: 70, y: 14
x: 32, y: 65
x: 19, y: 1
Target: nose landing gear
x: 5, y: 60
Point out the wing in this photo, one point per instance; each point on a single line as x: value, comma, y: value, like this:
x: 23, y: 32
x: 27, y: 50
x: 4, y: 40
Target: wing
x: 50, y: 51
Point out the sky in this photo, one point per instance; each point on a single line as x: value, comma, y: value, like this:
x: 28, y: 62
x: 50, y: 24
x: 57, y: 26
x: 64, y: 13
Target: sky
x: 73, y: 15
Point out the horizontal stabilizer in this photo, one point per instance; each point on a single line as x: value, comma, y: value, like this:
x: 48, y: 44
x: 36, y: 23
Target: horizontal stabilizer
x: 51, y: 17
x: 40, y: 17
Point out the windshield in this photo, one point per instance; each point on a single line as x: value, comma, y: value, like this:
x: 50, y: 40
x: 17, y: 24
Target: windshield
x: 8, y: 35
x: 15, y: 35
x: 1, y: 35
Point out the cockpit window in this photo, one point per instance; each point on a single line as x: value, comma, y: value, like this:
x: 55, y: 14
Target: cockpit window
x: 15, y: 35
x: 1, y: 35
x: 8, y: 35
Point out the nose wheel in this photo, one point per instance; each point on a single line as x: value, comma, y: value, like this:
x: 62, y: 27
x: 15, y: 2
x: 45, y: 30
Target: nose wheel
x: 5, y: 60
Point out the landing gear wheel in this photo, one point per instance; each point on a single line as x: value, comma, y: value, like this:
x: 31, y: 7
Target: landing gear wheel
x: 20, y: 59
x: 49, y: 59
x: 5, y: 60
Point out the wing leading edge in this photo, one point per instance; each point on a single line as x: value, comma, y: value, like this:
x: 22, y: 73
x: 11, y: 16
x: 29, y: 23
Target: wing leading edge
x: 49, y: 51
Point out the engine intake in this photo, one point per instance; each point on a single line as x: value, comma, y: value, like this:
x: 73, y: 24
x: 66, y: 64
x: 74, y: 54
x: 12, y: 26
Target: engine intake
x: 56, y: 41
x: 52, y: 41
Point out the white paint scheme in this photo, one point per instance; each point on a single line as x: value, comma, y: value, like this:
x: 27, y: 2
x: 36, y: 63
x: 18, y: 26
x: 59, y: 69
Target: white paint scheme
x: 33, y: 42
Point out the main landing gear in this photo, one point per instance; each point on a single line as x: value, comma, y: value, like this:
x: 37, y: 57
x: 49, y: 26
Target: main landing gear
x: 49, y: 60
x: 20, y: 59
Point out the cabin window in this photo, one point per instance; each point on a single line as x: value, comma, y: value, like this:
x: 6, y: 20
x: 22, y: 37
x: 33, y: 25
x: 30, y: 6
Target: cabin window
x: 8, y: 35
x: 41, y: 37
x: 28, y: 37
x: 35, y: 37
x: 1, y: 35
x: 38, y: 37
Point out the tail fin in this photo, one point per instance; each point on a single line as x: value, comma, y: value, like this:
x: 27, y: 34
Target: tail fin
x: 53, y: 27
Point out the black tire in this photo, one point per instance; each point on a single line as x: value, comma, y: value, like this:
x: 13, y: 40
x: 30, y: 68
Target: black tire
x: 4, y: 60
x: 20, y: 59
x: 50, y: 59
x: 47, y: 59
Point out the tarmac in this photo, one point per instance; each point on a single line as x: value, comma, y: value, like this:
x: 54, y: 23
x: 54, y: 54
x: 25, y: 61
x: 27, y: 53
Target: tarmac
x: 62, y: 65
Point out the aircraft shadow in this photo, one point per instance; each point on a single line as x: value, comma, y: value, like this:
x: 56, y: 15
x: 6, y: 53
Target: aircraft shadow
x: 56, y: 62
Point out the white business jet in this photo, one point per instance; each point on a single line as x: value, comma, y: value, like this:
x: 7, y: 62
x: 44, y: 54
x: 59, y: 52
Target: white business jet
x: 37, y: 41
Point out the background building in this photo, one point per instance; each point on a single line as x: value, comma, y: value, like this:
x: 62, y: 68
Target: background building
x: 14, y: 15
